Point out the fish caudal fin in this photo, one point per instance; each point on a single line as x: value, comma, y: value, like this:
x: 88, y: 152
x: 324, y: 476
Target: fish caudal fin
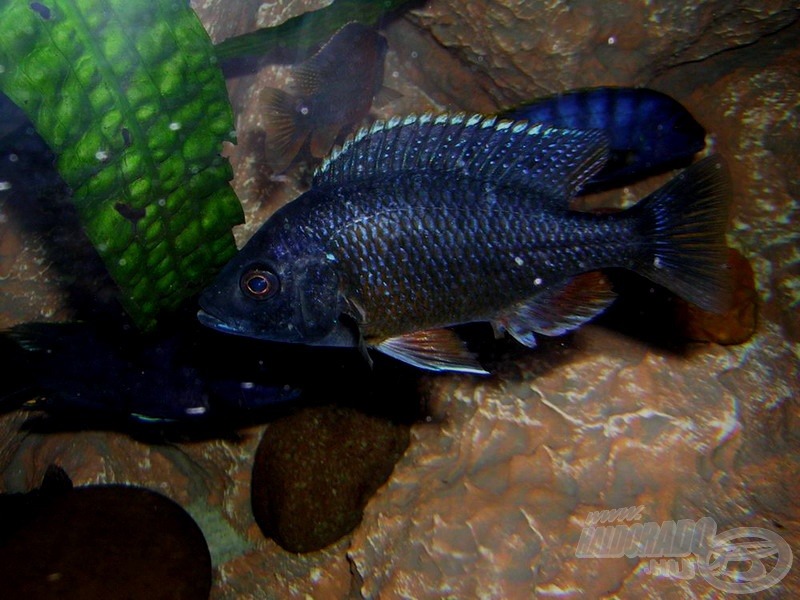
x: 684, y: 226
x: 285, y: 129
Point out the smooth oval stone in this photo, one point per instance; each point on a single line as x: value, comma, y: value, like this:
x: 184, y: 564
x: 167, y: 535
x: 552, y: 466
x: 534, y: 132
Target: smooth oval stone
x: 111, y: 541
x: 315, y: 470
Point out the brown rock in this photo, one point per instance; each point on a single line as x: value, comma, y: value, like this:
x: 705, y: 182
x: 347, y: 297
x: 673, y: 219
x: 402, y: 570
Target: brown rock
x: 315, y: 471
x: 101, y: 542
x: 532, y: 49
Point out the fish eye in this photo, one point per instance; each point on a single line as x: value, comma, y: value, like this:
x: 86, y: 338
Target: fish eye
x: 259, y: 283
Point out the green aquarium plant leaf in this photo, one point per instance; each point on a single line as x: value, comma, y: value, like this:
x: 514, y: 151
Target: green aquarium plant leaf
x: 306, y: 31
x: 129, y: 96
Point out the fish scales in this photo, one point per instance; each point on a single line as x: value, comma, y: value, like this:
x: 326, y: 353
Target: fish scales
x: 422, y: 223
x: 463, y: 248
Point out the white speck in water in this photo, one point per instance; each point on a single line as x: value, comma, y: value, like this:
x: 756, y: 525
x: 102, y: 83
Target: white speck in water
x: 162, y: 201
x: 2, y: 69
x: 3, y: 218
x: 537, y: 281
x: 101, y: 155
x: 174, y: 126
x: 303, y: 110
x: 519, y: 261
x: 122, y: 262
x: 414, y: 54
x: 657, y: 262
x: 395, y: 74
x: 330, y: 256
x: 5, y: 185
x: 247, y: 385
x: 196, y: 410
x: 13, y: 157
x: 612, y: 40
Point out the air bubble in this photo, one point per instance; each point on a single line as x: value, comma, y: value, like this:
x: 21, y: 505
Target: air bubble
x: 101, y: 155
x: 5, y: 185
x: 174, y: 126
x: 537, y: 281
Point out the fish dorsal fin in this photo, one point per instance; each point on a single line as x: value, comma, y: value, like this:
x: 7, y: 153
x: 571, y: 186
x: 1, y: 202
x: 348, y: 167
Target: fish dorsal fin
x: 504, y: 152
x: 352, y: 49
x: 434, y: 350
x: 559, y: 309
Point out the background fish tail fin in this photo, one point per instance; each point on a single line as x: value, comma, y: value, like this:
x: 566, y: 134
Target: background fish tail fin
x: 684, y: 223
x: 285, y: 128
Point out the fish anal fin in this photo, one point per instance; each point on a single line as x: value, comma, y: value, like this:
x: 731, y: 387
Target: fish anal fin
x: 434, y: 350
x: 559, y: 309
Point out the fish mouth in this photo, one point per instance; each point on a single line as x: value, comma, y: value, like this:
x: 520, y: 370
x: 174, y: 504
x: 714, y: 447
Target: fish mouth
x: 215, y: 323
x: 240, y: 328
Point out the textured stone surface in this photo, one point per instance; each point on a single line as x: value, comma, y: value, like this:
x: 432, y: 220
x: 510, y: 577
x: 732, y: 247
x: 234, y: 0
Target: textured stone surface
x: 546, y: 47
x: 493, y: 491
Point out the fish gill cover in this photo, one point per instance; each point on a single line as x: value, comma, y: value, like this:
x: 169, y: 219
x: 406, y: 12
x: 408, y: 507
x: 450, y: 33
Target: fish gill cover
x: 129, y: 96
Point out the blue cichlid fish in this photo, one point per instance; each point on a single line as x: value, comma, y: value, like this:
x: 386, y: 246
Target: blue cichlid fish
x: 422, y: 223
x: 648, y: 131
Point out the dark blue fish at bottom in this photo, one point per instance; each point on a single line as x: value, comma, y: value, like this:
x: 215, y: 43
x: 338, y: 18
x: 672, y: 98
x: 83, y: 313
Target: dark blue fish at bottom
x: 648, y: 131
x: 423, y: 223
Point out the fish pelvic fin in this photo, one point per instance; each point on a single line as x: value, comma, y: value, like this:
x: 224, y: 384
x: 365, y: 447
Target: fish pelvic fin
x: 559, y: 309
x: 434, y: 350
x: 684, y: 226
x: 286, y: 127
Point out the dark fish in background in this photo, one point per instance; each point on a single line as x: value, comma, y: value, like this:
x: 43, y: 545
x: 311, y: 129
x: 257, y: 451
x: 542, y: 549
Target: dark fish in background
x: 332, y: 90
x: 648, y: 132
x: 426, y: 222
x: 87, y: 373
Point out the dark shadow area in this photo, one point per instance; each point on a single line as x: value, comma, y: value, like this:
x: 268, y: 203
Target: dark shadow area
x: 40, y: 204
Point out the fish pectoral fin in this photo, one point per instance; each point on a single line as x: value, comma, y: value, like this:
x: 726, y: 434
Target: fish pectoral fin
x: 434, y: 350
x: 559, y: 309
